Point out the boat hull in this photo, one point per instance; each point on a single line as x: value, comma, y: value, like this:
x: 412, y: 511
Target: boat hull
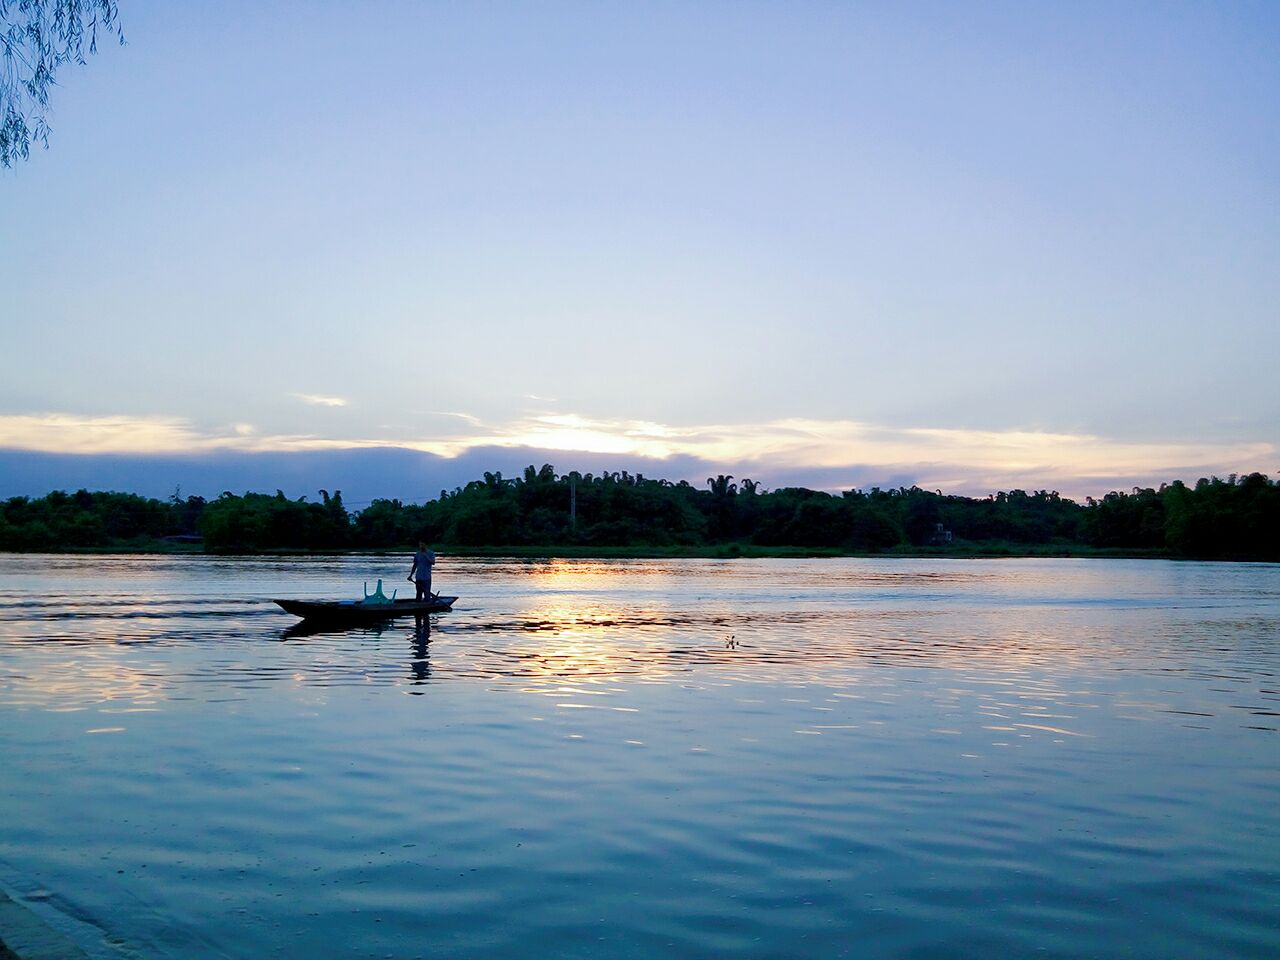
x: 353, y: 611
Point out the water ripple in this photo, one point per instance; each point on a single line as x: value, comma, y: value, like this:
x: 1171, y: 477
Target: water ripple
x: 676, y: 758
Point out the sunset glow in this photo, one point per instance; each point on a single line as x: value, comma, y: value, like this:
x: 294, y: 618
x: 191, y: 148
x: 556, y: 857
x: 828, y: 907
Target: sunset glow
x: 817, y: 247
x: 941, y: 458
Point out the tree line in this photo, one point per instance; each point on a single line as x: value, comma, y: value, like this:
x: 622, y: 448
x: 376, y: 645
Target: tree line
x: 1234, y: 518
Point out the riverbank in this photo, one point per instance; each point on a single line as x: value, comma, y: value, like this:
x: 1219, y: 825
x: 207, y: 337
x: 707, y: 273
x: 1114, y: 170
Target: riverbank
x: 1237, y: 518
x: 753, y: 551
x: 725, y: 551
x: 25, y: 936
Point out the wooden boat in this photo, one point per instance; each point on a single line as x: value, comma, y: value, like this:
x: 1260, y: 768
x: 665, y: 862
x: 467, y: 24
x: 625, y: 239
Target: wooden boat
x: 356, y: 611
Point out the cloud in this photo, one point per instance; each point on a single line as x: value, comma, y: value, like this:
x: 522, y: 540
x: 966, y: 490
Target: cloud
x: 70, y: 433
x: 937, y: 458
x: 320, y: 401
x: 474, y: 421
x: 828, y: 454
x: 67, y: 433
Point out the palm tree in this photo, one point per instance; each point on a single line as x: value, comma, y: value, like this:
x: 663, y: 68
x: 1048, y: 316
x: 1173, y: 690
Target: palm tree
x: 721, y: 487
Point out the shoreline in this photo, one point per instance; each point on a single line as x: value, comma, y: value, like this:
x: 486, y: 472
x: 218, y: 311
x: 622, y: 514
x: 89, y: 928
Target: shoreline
x: 26, y: 936
x: 732, y: 551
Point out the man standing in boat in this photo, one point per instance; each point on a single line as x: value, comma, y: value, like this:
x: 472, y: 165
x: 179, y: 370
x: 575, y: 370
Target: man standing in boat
x: 420, y: 572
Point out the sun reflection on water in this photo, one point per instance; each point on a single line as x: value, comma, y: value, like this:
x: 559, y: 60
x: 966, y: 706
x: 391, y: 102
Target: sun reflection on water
x: 1006, y: 644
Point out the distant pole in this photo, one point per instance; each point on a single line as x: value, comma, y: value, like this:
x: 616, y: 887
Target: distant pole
x: 573, y: 503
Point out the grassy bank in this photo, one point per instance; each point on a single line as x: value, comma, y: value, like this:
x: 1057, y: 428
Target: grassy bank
x: 729, y: 551
x: 753, y: 551
x: 139, y: 546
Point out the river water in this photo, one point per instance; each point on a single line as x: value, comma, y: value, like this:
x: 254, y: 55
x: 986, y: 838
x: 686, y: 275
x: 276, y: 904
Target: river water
x: 694, y: 758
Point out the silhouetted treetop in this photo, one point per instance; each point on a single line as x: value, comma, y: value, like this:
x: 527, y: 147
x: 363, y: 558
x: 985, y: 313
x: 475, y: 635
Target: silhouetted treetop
x: 1235, y: 518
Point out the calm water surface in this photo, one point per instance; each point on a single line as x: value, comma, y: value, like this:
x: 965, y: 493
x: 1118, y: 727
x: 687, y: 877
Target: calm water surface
x: 888, y: 758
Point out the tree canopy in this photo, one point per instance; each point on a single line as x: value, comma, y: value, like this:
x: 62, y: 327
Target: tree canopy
x: 1232, y: 518
x: 37, y: 37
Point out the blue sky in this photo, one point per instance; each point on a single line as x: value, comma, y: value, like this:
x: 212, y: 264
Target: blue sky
x: 974, y: 246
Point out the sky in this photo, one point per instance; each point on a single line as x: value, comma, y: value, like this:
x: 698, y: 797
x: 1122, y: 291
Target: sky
x: 973, y: 246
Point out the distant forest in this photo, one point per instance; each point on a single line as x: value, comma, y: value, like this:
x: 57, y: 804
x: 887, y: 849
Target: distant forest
x: 1233, y: 518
